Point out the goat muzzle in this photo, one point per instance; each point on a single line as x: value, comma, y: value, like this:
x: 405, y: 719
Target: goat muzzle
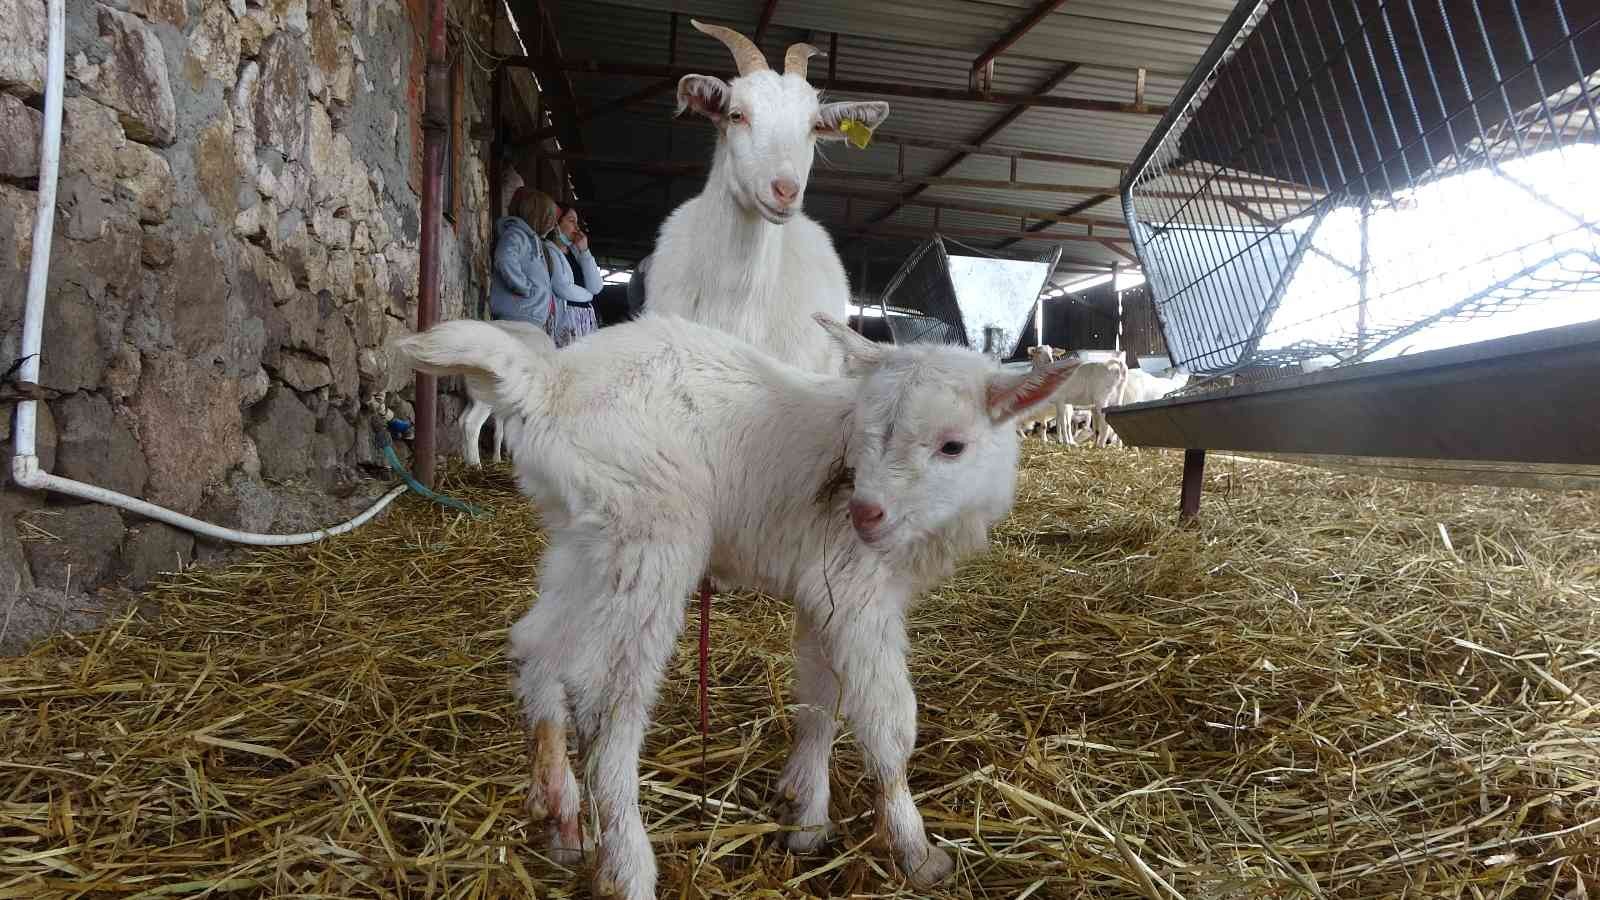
x: 746, y: 55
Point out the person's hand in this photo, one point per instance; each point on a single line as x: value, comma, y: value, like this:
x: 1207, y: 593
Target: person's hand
x: 582, y: 243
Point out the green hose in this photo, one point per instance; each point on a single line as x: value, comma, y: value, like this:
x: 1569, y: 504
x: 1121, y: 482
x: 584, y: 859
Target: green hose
x: 380, y: 431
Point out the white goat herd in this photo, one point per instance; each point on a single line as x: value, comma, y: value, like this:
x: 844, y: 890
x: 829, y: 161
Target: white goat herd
x: 660, y: 450
x: 1094, y: 387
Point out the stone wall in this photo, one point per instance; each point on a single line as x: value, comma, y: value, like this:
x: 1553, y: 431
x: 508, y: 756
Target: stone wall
x: 235, y: 243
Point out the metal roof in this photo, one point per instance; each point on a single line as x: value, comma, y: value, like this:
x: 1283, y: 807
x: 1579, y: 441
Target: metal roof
x: 919, y: 43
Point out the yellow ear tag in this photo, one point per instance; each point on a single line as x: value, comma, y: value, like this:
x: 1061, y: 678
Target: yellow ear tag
x: 857, y: 132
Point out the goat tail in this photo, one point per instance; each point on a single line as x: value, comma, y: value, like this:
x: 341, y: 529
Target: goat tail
x: 503, y: 363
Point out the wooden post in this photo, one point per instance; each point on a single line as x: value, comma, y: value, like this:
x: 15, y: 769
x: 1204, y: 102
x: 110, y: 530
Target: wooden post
x: 833, y: 57
x: 1116, y: 288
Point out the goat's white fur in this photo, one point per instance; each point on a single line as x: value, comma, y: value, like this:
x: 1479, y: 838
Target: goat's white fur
x: 737, y: 257
x: 478, y: 409
x: 1139, y: 386
x: 658, y: 450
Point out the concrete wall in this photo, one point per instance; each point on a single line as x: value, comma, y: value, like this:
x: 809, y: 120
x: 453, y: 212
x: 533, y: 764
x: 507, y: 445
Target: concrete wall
x: 236, y: 241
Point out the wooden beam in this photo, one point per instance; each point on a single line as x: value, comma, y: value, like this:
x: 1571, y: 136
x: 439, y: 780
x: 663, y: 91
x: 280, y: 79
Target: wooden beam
x: 852, y: 86
x: 1118, y: 247
x: 549, y: 44
x: 987, y: 134
x: 833, y: 58
x: 986, y: 149
x: 581, y: 115
x: 1022, y: 26
x: 1072, y: 210
x: 767, y: 9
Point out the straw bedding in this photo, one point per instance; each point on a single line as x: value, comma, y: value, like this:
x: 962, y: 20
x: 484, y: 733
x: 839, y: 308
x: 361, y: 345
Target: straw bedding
x: 1335, y: 687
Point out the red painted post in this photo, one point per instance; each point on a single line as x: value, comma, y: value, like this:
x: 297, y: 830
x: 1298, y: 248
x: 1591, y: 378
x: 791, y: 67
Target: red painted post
x: 435, y: 123
x: 1194, y: 473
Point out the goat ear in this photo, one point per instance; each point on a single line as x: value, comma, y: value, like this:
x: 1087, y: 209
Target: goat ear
x: 870, y: 113
x: 705, y: 94
x: 1012, y: 395
x: 860, y: 355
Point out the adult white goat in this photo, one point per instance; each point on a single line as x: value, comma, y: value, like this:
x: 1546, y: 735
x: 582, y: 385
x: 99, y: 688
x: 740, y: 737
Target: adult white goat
x: 1139, y: 386
x: 1095, y: 385
x: 698, y: 452
x: 741, y: 257
x: 478, y: 409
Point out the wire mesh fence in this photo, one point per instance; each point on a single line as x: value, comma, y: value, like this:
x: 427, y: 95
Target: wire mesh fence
x: 1349, y: 180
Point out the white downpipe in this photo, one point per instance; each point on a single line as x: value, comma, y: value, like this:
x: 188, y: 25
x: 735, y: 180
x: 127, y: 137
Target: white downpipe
x: 44, y: 226
x: 25, y: 463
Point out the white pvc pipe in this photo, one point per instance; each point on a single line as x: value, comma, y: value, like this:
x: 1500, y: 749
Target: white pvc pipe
x: 25, y: 461
x: 44, y: 222
x: 27, y: 473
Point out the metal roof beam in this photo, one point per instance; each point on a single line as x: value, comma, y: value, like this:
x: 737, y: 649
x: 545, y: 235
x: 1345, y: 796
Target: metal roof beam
x: 826, y: 190
x: 675, y: 167
x: 879, y: 88
x: 1014, y: 234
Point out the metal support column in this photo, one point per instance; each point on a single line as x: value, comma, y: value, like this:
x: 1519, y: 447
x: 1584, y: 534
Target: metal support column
x: 1194, y: 472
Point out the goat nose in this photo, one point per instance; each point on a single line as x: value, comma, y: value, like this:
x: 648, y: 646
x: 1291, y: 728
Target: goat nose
x: 785, y: 190
x: 864, y: 515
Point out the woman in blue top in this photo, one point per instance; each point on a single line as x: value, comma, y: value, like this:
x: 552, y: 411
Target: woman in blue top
x: 579, y: 317
x: 520, y: 287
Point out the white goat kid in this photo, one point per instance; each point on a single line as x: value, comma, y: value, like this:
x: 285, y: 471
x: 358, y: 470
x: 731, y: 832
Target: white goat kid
x: 696, y: 452
x: 478, y: 408
x: 741, y: 257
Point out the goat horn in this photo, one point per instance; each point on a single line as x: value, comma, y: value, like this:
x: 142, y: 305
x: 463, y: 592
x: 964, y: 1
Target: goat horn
x: 794, y: 62
x: 746, y: 55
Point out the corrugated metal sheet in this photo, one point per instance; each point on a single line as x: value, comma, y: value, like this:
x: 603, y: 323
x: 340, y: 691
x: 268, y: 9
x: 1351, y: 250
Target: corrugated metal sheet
x: 919, y: 42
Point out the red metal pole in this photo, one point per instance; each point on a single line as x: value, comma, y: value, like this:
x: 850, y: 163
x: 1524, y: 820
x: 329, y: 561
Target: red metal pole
x: 1194, y: 474
x: 435, y: 122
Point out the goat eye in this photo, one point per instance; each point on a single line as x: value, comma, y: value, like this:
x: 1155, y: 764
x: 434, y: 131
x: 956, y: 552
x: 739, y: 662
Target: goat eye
x: 952, y: 448
x: 736, y: 117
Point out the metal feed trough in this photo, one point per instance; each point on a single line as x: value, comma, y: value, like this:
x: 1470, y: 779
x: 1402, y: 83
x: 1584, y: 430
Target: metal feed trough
x: 974, y: 300
x: 1386, y: 213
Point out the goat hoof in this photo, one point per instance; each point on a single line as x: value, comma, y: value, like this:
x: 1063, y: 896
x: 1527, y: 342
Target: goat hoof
x: 565, y: 843
x: 607, y: 888
x: 537, y: 811
x: 934, y: 868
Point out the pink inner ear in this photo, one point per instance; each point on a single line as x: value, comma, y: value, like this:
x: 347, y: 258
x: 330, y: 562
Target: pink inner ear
x: 704, y: 98
x: 1010, y: 397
